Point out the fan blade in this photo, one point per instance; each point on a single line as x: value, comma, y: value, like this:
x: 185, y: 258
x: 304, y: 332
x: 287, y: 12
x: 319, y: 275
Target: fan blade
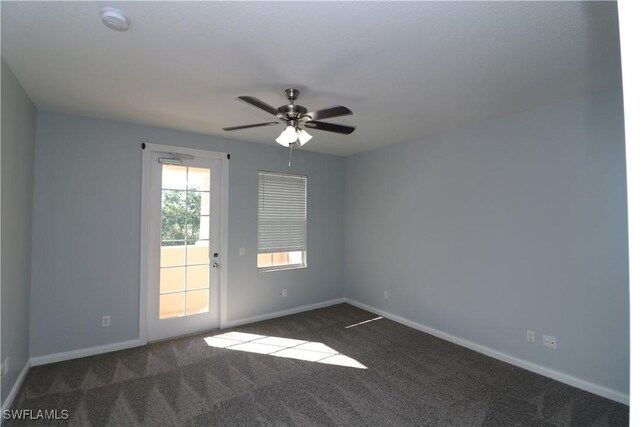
x: 328, y: 113
x: 251, y: 126
x: 261, y: 105
x: 330, y: 127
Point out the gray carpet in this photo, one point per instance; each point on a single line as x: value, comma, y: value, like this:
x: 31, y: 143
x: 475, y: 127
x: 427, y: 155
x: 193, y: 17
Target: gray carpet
x: 412, y: 378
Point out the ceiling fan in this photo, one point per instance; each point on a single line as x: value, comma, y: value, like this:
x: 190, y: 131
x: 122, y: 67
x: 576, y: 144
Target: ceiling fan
x: 295, y: 117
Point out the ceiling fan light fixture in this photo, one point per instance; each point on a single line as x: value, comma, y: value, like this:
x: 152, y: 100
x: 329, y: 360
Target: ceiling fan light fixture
x: 303, y: 136
x: 288, y: 136
x: 294, y: 116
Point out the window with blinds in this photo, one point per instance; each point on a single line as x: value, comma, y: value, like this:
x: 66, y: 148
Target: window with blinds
x: 282, y: 221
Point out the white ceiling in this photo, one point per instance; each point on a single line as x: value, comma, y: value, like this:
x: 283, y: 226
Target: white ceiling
x: 407, y: 70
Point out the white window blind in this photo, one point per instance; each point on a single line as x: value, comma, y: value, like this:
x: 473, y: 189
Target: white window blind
x: 282, y: 212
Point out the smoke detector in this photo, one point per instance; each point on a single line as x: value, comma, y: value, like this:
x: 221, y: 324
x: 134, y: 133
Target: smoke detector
x: 114, y: 19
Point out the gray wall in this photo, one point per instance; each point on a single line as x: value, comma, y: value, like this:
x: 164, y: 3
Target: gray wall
x: 18, y: 140
x: 86, y: 244
x: 507, y: 225
x: 484, y: 232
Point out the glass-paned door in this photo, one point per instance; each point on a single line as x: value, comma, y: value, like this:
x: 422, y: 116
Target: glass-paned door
x: 185, y: 246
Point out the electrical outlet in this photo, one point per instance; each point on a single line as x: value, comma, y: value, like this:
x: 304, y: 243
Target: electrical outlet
x: 531, y: 337
x: 284, y: 293
x: 241, y: 251
x: 386, y: 294
x: 550, y: 342
x: 106, y: 321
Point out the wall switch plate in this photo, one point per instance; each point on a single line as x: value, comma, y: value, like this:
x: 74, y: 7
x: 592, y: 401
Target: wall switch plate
x: 531, y: 337
x: 386, y: 294
x: 284, y: 293
x: 550, y: 342
x: 106, y: 321
x: 241, y: 251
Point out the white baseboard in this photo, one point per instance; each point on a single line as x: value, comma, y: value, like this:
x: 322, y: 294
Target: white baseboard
x: 287, y: 312
x: 547, y: 372
x: 83, y: 352
x: 16, y: 386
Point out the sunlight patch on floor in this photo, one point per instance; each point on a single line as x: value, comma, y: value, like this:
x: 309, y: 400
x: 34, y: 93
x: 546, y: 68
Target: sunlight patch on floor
x: 283, y: 347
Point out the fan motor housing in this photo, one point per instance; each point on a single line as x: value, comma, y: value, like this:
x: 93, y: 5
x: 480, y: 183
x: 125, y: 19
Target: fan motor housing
x: 292, y: 111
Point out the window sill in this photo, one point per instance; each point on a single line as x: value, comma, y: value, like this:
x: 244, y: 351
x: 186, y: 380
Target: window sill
x: 281, y: 268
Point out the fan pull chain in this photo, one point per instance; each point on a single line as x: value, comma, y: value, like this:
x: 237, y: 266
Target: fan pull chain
x: 300, y: 158
x: 290, y: 153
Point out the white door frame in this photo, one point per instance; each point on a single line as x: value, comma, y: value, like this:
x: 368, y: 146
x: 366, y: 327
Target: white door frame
x: 147, y: 158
